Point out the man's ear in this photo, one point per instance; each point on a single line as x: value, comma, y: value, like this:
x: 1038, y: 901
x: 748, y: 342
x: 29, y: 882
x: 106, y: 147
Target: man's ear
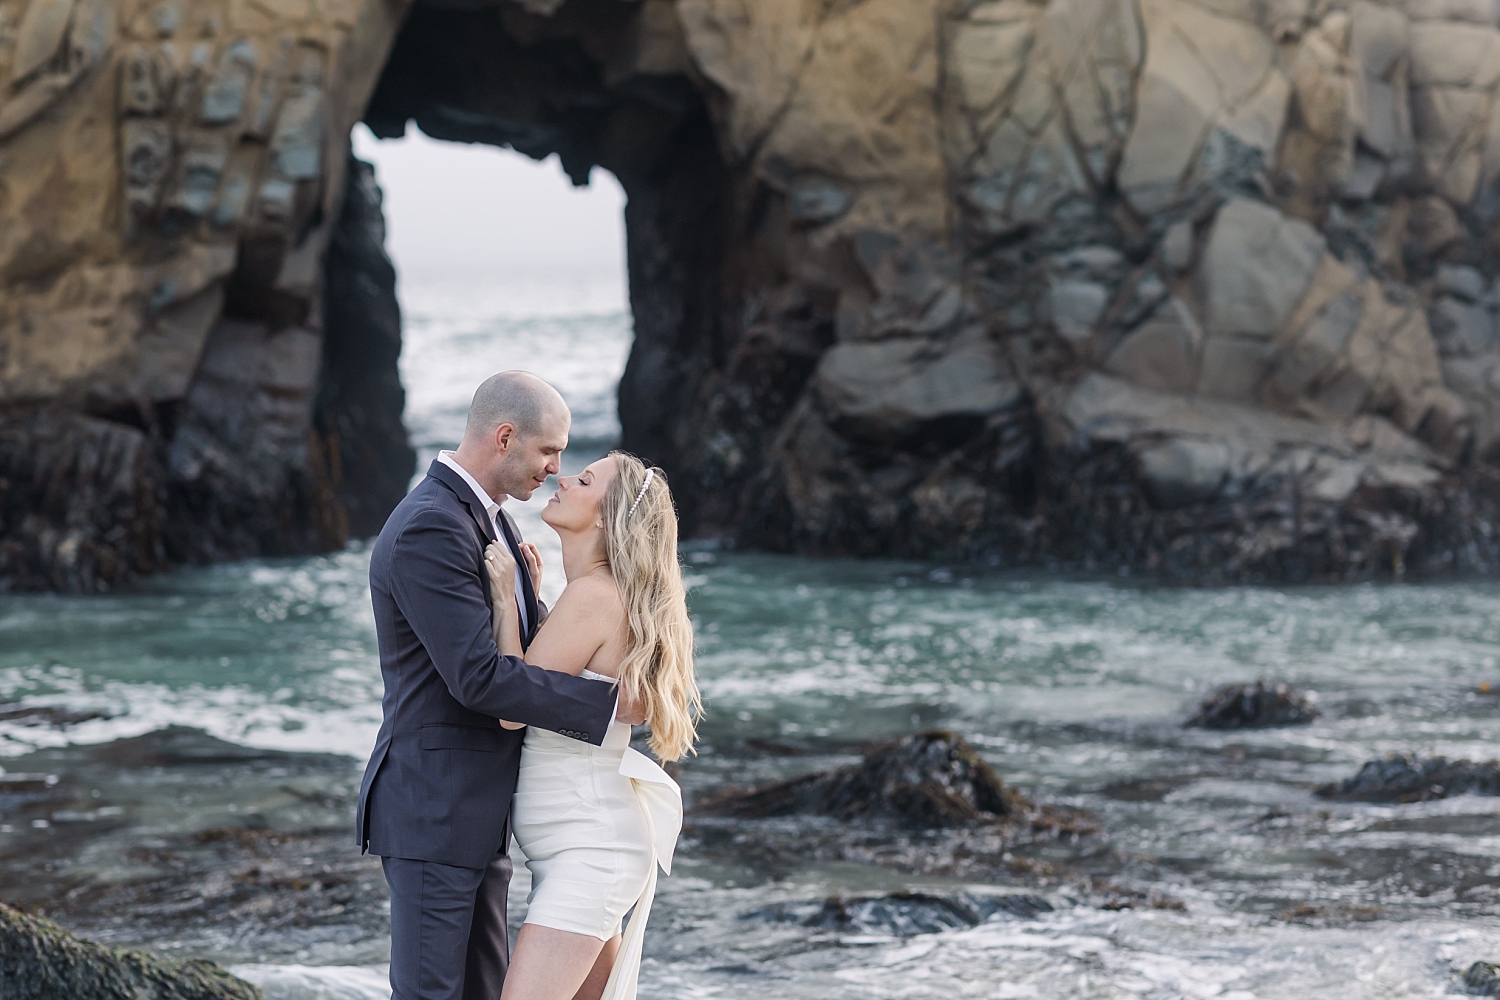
x: 505, y: 437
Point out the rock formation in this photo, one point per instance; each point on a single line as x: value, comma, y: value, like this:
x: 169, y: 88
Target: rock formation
x: 924, y: 803
x: 175, y: 385
x: 1262, y: 705
x: 903, y: 914
x: 1407, y: 778
x: 1201, y: 287
x: 41, y: 961
x: 929, y: 781
x: 1482, y: 979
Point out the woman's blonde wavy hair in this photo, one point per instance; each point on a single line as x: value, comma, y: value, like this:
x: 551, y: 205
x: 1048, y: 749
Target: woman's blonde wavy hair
x: 641, y: 546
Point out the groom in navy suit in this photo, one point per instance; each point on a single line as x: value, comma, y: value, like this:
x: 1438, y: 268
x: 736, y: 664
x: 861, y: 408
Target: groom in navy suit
x: 435, y: 800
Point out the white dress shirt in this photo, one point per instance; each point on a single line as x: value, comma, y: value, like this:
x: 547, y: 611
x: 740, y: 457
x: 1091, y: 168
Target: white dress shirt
x: 492, y: 509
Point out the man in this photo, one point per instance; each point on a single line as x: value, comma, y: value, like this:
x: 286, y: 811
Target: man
x: 435, y: 800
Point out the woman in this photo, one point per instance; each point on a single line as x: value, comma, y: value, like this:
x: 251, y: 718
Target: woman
x: 595, y: 822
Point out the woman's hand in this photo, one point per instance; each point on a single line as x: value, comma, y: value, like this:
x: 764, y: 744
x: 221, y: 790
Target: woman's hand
x: 501, y: 566
x: 533, y: 565
x: 506, y: 724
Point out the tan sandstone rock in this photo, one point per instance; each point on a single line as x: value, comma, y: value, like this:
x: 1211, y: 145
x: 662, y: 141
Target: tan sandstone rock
x: 891, y: 262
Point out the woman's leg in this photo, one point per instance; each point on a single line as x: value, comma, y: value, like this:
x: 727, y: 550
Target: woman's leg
x: 593, y: 986
x: 550, y: 964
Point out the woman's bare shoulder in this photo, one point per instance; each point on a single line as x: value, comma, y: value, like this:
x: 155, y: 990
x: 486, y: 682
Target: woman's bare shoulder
x: 594, y: 592
x: 585, y: 619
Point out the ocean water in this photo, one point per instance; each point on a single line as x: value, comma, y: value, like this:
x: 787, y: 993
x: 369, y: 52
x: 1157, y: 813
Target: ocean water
x: 1074, y: 688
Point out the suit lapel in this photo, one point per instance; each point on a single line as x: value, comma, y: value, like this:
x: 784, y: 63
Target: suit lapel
x: 481, y: 517
x: 464, y: 492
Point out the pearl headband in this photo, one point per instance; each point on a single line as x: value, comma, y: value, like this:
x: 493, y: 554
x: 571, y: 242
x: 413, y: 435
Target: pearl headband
x: 638, y: 497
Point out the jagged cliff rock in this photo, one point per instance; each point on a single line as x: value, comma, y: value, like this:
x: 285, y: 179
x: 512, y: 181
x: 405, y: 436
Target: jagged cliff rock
x: 173, y: 183
x: 1205, y: 287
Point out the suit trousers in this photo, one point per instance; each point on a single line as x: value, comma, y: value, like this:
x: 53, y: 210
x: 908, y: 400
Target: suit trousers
x: 449, y: 939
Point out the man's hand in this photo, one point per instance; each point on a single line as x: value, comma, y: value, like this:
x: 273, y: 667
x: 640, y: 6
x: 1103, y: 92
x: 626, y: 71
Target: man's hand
x: 626, y: 709
x: 533, y: 565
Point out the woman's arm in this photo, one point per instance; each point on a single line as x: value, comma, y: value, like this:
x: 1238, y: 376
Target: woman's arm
x: 586, y: 616
x: 431, y: 579
x: 501, y: 566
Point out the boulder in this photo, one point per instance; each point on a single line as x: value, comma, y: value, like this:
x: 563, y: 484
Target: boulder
x: 1408, y: 778
x: 1483, y: 979
x: 1075, y: 307
x: 903, y: 914
x: 41, y: 961
x: 1472, y: 11
x: 1460, y: 280
x: 932, y: 780
x: 1255, y: 268
x: 898, y: 385
x: 1177, y: 247
x: 1183, y: 471
x: 1200, y: 69
x: 1234, y: 367
x: 1454, y: 54
x: 1161, y: 353
x: 1261, y: 705
x: 1318, y: 347
x: 1462, y: 329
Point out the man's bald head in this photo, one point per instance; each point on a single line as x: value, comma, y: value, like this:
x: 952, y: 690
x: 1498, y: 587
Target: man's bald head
x: 517, y: 398
x: 518, y: 428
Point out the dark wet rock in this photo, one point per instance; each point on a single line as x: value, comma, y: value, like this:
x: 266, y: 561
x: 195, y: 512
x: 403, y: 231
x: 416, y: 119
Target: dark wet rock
x: 41, y: 961
x: 1408, y: 778
x: 80, y: 503
x: 184, y: 745
x: 1332, y: 916
x: 47, y: 715
x: 1483, y: 979
x: 175, y: 836
x: 1153, y: 789
x: 903, y: 914
x: 926, y: 803
x: 17, y: 784
x: 933, y: 780
x: 1262, y: 705
x: 360, y: 398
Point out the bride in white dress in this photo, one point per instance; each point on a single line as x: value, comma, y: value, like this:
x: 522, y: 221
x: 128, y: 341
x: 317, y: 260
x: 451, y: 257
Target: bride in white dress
x: 596, y: 822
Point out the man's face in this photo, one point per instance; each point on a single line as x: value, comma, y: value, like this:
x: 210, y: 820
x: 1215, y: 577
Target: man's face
x: 527, y: 461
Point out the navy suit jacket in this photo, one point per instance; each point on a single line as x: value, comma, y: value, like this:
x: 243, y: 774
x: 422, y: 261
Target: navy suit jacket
x: 439, y: 784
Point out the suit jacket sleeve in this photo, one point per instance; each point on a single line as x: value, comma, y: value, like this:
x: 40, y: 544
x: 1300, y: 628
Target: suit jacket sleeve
x: 435, y: 583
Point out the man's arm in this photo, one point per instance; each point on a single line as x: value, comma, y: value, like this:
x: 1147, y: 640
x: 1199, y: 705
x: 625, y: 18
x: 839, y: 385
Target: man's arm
x: 435, y: 583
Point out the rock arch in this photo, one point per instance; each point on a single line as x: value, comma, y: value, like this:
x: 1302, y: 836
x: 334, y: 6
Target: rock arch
x: 1206, y: 289
x: 599, y: 84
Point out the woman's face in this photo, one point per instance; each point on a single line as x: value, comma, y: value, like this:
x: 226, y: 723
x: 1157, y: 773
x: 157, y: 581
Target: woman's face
x: 575, y: 505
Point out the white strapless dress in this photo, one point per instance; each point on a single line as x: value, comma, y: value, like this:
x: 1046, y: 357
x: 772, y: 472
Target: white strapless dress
x: 595, y: 823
